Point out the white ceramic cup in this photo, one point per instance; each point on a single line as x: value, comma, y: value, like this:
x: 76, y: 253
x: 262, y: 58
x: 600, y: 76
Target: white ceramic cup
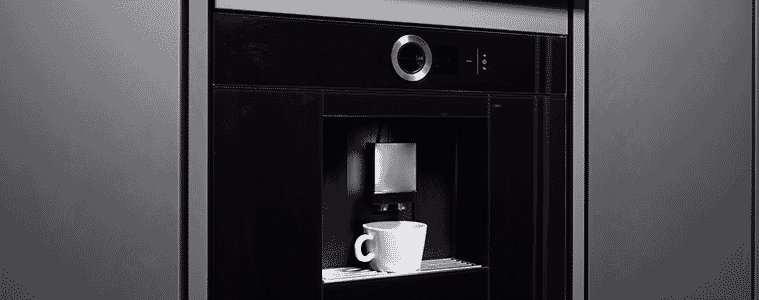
x: 394, y: 246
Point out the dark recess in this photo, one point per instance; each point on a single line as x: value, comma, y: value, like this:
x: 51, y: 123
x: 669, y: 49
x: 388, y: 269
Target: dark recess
x: 184, y: 105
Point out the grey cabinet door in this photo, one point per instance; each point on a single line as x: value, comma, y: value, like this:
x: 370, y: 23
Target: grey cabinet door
x: 670, y: 150
x: 89, y: 149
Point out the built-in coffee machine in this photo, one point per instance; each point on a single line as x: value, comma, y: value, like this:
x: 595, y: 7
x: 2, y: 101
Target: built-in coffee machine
x: 355, y: 159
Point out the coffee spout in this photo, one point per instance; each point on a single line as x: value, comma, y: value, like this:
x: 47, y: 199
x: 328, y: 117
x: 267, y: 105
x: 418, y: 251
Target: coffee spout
x: 388, y: 207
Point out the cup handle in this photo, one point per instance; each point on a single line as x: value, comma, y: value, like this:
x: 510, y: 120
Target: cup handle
x: 357, y: 246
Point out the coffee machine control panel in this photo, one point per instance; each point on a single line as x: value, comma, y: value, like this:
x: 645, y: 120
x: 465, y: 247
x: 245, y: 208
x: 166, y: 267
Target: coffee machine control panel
x: 476, y: 61
x: 414, y: 59
x: 345, y: 55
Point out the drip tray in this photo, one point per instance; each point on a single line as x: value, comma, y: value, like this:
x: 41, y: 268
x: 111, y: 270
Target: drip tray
x: 428, y: 266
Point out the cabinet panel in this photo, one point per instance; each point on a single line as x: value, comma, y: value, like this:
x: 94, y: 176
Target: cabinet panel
x: 669, y: 207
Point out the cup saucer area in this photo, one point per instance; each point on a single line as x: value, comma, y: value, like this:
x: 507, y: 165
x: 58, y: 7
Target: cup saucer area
x: 347, y: 274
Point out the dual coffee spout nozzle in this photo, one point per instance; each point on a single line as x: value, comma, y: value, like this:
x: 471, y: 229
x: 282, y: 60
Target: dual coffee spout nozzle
x: 387, y: 207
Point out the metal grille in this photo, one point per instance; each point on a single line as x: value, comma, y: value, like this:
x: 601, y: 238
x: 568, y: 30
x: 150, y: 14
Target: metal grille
x: 428, y: 266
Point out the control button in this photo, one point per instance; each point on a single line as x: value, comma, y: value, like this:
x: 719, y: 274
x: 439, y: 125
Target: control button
x: 484, y: 68
x: 484, y: 62
x: 484, y: 55
x: 411, y: 57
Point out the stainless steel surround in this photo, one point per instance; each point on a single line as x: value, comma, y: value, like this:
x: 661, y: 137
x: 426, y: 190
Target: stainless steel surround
x: 438, y: 12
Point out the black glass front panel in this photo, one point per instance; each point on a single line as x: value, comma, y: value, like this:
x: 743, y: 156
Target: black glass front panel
x: 513, y: 198
x: 492, y: 189
x: 558, y: 68
x: 556, y: 199
x: 395, y: 104
x: 277, y: 51
x: 266, y: 186
x: 298, y: 101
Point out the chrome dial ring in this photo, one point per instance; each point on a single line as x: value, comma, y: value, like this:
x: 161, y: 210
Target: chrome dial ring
x: 411, y: 40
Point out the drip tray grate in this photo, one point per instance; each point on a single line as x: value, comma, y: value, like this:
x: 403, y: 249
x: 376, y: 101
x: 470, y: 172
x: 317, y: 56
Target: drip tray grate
x: 428, y: 266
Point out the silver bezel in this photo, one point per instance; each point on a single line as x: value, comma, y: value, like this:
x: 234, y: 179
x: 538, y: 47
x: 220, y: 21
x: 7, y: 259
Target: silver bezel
x: 406, y: 39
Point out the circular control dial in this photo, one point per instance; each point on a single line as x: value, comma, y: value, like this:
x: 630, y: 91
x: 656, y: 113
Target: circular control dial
x: 411, y: 57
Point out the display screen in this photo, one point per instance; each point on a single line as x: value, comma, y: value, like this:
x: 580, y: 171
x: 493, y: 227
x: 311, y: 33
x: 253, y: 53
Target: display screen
x: 445, y: 60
